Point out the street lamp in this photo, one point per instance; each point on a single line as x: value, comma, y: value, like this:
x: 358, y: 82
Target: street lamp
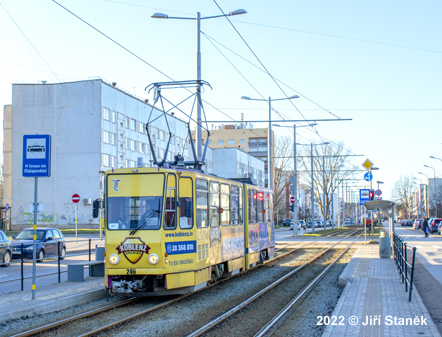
x: 435, y: 187
x: 198, y: 65
x: 295, y: 177
x: 269, y: 136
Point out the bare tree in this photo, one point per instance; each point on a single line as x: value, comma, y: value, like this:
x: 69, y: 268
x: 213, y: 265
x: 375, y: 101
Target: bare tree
x: 332, y: 164
x: 401, y: 193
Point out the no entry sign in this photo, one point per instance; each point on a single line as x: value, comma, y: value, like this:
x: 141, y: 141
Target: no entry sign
x: 292, y: 200
x: 75, y: 198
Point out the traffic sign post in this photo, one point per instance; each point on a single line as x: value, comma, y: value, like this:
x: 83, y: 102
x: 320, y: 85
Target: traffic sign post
x: 364, y: 196
x: 75, y: 200
x: 36, y: 163
x: 368, y: 176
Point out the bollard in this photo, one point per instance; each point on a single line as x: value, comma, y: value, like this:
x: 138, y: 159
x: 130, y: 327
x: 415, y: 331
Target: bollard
x: 384, y: 246
x: 99, y: 253
x: 301, y: 232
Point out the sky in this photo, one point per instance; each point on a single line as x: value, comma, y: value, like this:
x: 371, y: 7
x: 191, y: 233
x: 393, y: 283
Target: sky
x: 374, y: 62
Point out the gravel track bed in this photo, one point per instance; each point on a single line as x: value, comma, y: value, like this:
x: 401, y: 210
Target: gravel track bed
x: 188, y: 315
x: 251, y: 319
x: 321, y: 302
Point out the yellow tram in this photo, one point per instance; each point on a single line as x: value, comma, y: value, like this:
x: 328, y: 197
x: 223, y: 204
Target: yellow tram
x: 173, y: 231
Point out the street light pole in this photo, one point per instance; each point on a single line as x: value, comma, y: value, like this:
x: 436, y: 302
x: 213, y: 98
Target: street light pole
x: 269, y: 136
x: 419, y: 210
x: 199, y: 145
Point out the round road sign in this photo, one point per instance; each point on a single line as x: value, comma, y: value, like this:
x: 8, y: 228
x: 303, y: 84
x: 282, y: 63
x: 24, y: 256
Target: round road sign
x: 75, y: 198
x: 292, y: 200
x: 378, y: 192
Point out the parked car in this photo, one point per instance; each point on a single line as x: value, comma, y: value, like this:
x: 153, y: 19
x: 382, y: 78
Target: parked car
x: 417, y: 224
x: 439, y: 228
x: 299, y: 226
x: 310, y: 224
x: 434, y: 225
x: 287, y: 222
x: 328, y: 223
x: 47, y: 243
x: 5, y: 250
x: 302, y: 222
x: 408, y: 223
x: 319, y: 223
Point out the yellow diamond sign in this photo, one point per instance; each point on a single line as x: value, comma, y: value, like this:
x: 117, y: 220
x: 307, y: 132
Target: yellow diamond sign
x: 367, y: 164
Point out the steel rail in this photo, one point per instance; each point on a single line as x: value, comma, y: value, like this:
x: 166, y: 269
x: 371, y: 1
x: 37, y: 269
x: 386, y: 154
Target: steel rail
x: 305, y: 292
x: 46, y: 327
x: 259, y: 294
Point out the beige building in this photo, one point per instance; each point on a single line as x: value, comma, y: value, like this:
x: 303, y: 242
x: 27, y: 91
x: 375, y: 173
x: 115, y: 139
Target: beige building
x: 249, y: 140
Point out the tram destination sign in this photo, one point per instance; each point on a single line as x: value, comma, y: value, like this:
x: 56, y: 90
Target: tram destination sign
x: 36, y: 156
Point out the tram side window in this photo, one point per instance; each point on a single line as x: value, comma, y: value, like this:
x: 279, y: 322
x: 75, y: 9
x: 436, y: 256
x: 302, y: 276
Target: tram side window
x: 252, y: 206
x: 214, y: 204
x: 260, y: 206
x: 170, y: 206
x: 241, y: 215
x: 269, y: 207
x: 225, y: 204
x: 234, y: 205
x: 186, y: 203
x: 202, y: 203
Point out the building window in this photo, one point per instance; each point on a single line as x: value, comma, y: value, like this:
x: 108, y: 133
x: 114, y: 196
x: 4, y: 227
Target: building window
x: 145, y: 148
x: 209, y: 142
x: 141, y: 127
x: 231, y: 141
x: 132, y: 123
x: 220, y: 141
x: 161, y: 135
x: 105, y: 137
x: 106, y: 114
x: 126, y: 122
x: 130, y: 144
x: 113, y: 138
x: 113, y: 161
x: 139, y: 147
x: 113, y: 116
x: 242, y: 141
x: 105, y: 160
x: 130, y: 163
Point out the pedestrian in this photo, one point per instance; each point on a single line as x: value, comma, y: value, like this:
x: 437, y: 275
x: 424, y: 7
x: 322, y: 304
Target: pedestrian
x: 425, y: 227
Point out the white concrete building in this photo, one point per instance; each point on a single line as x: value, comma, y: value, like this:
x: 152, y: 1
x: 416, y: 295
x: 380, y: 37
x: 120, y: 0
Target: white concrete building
x: 246, y: 166
x: 94, y: 126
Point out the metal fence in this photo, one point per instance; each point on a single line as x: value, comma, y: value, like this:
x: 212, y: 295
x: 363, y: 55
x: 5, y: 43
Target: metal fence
x: 84, y: 247
x: 402, y: 258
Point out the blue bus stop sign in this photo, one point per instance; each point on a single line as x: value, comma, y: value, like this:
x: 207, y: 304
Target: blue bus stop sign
x: 36, y: 156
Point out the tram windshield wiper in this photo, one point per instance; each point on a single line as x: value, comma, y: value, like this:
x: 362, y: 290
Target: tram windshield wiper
x: 152, y: 214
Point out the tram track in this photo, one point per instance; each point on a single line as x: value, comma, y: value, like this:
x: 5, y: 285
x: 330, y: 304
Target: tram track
x: 137, y: 308
x: 235, y: 313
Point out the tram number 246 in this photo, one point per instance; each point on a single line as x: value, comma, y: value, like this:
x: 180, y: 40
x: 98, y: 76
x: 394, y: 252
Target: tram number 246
x: 132, y: 271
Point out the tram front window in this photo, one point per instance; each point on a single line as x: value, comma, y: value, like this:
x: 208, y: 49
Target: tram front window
x: 135, y: 213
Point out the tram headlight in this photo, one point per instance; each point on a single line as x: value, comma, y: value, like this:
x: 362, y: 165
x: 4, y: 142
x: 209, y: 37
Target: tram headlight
x: 153, y: 258
x: 114, y: 259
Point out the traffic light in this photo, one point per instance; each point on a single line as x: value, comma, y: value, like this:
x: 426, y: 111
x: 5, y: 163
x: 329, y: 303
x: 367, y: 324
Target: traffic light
x: 371, y: 194
x: 292, y: 207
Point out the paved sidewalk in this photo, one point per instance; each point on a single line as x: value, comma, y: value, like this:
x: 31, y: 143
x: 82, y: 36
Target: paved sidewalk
x: 374, y: 301
x: 51, y: 298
